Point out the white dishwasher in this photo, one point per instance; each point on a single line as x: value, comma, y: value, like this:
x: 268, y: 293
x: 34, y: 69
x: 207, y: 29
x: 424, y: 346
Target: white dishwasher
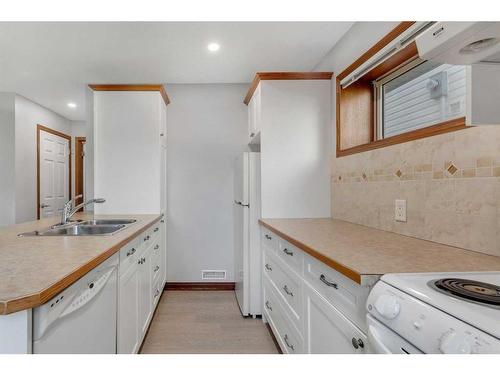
x: 82, y: 318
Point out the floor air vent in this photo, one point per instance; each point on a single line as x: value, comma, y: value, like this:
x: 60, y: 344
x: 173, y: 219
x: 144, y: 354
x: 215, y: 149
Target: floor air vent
x: 213, y: 275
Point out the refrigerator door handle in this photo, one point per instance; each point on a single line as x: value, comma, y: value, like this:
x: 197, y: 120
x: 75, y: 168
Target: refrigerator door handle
x: 241, y: 204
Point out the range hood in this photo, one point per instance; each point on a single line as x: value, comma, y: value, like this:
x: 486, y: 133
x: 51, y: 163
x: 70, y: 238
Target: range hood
x: 461, y: 43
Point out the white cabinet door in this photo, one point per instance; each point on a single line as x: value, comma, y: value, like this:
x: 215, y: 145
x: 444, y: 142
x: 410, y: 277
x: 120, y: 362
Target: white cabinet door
x: 327, y: 330
x: 254, y: 114
x: 145, y: 298
x: 128, y: 312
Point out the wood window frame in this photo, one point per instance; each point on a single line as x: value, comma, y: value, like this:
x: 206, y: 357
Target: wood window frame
x: 395, y: 62
x: 59, y: 134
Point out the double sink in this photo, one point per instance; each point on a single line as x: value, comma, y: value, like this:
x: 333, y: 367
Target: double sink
x: 96, y: 227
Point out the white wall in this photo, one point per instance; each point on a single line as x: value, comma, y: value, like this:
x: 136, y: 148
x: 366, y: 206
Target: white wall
x: 7, y: 159
x: 206, y: 130
x: 28, y: 114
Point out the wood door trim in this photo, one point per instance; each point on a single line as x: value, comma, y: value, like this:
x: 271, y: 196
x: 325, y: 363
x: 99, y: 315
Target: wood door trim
x: 59, y: 134
x: 276, y: 76
x: 78, y: 165
x: 133, y: 87
x: 199, y: 286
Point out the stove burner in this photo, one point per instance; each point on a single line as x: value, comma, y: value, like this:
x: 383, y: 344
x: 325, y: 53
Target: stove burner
x: 470, y: 290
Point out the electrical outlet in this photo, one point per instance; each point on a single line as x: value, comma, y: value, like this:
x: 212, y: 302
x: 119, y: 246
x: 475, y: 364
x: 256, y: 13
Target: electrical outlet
x: 400, y: 210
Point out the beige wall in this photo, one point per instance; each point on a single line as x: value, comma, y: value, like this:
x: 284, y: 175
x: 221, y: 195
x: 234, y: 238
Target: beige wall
x: 460, y: 209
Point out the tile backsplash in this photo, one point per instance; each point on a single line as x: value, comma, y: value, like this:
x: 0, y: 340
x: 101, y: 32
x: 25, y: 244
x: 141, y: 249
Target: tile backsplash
x: 451, y: 183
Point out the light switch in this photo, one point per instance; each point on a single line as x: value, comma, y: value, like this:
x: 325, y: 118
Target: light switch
x: 400, y: 210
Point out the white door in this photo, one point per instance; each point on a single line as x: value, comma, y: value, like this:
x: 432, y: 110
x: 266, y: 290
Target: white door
x: 54, y: 173
x: 327, y: 331
x: 128, y: 312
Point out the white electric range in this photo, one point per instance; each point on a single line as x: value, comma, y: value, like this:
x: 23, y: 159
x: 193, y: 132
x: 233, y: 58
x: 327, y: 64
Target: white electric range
x: 435, y: 313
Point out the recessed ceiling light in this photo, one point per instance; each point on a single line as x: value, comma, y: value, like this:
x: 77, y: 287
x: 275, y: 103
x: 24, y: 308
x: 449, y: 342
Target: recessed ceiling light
x: 71, y: 105
x: 213, y: 47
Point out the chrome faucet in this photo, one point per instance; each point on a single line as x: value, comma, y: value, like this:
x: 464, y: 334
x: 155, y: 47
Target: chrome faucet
x: 69, y: 209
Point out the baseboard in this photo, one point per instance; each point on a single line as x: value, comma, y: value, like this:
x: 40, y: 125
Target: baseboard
x: 274, y: 338
x: 199, y: 286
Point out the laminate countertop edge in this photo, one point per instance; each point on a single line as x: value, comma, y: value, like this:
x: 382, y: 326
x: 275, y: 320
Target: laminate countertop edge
x: 39, y: 298
x: 346, y: 271
x: 364, y: 254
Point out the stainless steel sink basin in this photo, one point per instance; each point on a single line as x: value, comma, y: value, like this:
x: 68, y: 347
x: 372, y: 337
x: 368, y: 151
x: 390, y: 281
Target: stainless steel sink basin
x: 108, y: 221
x: 96, y: 227
x: 78, y: 230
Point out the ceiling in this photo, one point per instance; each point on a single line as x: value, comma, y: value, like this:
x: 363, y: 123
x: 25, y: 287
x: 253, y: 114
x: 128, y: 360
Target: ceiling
x: 51, y: 63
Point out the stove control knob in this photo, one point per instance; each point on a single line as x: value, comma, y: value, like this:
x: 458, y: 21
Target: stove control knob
x: 453, y: 343
x: 387, y: 306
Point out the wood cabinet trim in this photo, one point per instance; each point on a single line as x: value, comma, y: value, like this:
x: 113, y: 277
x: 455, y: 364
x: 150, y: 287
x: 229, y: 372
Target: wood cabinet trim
x: 441, y: 128
x: 133, y: 87
x: 346, y: 271
x: 398, y: 30
x: 276, y: 76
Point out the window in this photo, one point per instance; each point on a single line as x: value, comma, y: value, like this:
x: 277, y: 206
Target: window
x: 418, y: 95
x: 389, y: 95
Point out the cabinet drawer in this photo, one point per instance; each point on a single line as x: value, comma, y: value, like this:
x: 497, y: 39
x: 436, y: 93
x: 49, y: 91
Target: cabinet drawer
x: 269, y: 240
x: 128, y: 255
x: 156, y: 292
x: 156, y: 266
x: 291, y: 255
x: 343, y: 293
x: 327, y: 330
x: 288, y: 336
x: 288, y: 284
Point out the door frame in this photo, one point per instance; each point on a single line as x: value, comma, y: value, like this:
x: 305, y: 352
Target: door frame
x: 79, y: 167
x: 59, y: 134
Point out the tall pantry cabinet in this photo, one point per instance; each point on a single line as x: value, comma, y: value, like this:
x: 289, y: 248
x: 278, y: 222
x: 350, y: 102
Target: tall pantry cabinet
x: 129, y: 125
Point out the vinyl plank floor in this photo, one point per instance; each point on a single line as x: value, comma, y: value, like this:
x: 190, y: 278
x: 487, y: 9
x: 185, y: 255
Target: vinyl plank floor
x: 207, y: 322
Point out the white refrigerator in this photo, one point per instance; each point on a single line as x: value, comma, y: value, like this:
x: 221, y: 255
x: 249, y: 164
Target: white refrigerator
x: 247, y: 233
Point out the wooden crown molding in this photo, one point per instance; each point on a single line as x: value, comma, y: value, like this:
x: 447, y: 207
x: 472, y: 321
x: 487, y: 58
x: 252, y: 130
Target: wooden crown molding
x: 133, y: 87
x: 262, y: 76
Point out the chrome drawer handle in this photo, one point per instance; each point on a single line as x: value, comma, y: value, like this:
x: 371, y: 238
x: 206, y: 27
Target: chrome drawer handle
x: 131, y: 252
x: 157, y: 247
x: 157, y: 292
x: 268, y: 237
x: 146, y: 238
x: 288, y: 252
x: 269, y: 306
x: 287, y: 343
x: 156, y: 268
x: 268, y: 267
x: 156, y: 229
x: 287, y: 291
x: 357, y: 343
x: 323, y: 278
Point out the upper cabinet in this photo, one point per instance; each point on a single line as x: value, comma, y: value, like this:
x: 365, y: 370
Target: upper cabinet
x: 289, y: 117
x: 129, y: 124
x: 254, y: 115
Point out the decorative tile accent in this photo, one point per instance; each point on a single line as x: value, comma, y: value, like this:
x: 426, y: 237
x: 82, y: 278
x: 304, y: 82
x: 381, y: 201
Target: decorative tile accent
x: 452, y: 169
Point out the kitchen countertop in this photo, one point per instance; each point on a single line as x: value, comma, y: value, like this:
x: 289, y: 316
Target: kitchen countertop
x: 364, y: 254
x: 35, y: 269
